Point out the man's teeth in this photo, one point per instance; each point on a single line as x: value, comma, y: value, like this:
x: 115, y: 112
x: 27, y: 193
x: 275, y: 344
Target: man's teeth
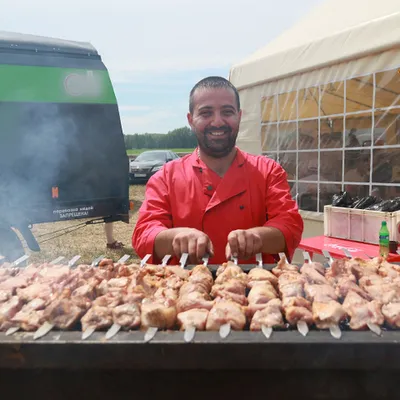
x: 217, y: 133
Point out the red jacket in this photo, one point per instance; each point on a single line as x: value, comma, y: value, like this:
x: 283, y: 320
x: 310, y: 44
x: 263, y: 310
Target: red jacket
x: 185, y: 193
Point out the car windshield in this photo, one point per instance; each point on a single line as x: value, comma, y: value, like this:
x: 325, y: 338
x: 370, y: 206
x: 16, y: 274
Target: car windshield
x: 151, y: 156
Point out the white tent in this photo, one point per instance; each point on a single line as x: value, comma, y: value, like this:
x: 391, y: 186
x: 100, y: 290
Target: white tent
x: 338, y: 39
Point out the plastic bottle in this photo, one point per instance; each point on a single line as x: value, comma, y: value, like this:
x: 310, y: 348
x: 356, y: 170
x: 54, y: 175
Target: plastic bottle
x: 384, y: 240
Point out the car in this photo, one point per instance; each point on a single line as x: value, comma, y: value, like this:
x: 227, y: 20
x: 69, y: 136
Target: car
x: 148, y: 163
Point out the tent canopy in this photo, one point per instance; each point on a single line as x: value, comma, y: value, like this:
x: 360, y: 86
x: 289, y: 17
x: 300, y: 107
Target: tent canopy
x: 335, y: 31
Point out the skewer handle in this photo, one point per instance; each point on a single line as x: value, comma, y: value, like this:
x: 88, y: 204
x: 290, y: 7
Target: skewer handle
x: 165, y: 260
x: 97, y: 260
x: 19, y: 260
x: 282, y: 256
x: 205, y: 260
x: 327, y: 256
x: 57, y: 260
x: 259, y: 260
x: 73, y: 260
x: 124, y: 258
x: 347, y: 253
x: 183, y: 260
x: 306, y: 256
x: 144, y: 260
x: 235, y: 260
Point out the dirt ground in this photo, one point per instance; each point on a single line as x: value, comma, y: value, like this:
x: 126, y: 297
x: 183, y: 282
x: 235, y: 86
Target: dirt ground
x: 88, y: 241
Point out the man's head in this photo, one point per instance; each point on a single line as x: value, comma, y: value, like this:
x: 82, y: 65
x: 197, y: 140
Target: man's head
x: 214, y: 115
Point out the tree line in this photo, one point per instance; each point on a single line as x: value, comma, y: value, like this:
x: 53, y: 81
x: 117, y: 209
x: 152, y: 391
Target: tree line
x: 182, y: 138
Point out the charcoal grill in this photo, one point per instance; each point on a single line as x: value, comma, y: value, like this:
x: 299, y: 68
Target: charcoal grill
x: 317, y: 366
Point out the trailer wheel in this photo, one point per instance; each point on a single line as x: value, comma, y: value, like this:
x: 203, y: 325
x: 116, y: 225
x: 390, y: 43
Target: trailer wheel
x: 10, y: 245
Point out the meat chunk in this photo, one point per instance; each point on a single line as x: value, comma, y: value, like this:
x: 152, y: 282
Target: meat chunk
x: 127, y: 315
x: 312, y: 275
x: 224, y: 312
x: 195, y: 317
x: 8, y: 310
x: 35, y: 290
x: 262, y: 292
x: 328, y: 313
x: 270, y: 316
x: 232, y: 289
x: 64, y: 313
x: 98, y: 317
x: 157, y: 315
x: 320, y: 293
x: 194, y: 300
x: 259, y: 275
x: 284, y: 266
x: 391, y: 313
x: 230, y: 273
x: 297, y: 309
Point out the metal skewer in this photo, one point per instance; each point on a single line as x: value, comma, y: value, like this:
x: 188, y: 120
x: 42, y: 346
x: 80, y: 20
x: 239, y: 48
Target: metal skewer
x: 307, y: 257
x: 57, y: 260
x: 328, y: 256
x: 267, y: 331
x: 165, y: 260
x: 73, y: 260
x: 144, y: 260
x: 190, y: 331
x: 150, y: 333
x: 88, y: 332
x: 19, y: 261
x: 259, y: 260
x: 224, y: 330
x: 96, y: 261
x: 115, y: 328
x: 124, y: 258
x: 346, y: 252
x: 235, y: 260
x: 183, y: 260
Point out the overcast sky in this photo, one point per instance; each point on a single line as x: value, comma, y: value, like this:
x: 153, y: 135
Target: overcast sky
x: 156, y: 50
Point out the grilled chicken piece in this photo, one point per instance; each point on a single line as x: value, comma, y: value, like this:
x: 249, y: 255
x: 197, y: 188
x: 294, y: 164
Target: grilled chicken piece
x: 157, y: 315
x: 226, y: 265
x: 8, y: 311
x: 312, y: 275
x: 362, y: 311
x: 98, y: 317
x: 54, y: 274
x: 30, y: 317
x: 200, y: 269
x: 384, y: 293
x: 315, y: 265
x: 270, y: 316
x: 231, y: 272
x: 362, y: 267
x: 196, y: 317
x: 297, y: 309
x: 11, y: 284
x: 233, y: 289
x: 283, y: 266
x: 346, y: 284
x: 85, y: 291
x: 291, y: 284
x: 224, y: 312
x: 127, y: 315
x: 391, y: 313
x: 389, y: 270
x: 5, y: 295
x: 35, y: 290
x: 108, y: 300
x: 260, y: 275
x: 65, y: 313
x: 194, y: 300
x: 176, y: 270
x: 262, y: 292
x: 326, y: 314
x: 320, y: 293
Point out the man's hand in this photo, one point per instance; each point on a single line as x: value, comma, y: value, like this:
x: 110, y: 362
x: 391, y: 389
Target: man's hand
x: 243, y: 244
x: 194, y: 242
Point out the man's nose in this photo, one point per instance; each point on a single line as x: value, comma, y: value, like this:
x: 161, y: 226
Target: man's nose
x: 218, y: 119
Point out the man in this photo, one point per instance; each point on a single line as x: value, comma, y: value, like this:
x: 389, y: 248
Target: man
x: 218, y: 200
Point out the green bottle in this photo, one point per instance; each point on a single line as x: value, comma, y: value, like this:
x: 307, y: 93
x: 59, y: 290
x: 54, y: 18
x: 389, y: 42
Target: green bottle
x: 384, y: 240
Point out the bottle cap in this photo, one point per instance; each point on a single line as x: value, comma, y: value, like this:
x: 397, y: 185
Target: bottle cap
x: 383, y: 222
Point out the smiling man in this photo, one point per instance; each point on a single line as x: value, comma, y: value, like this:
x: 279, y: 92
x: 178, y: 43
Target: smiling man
x: 218, y: 200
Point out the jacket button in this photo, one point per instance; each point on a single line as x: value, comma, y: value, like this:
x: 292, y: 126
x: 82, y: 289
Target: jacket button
x: 209, y: 187
x: 241, y: 207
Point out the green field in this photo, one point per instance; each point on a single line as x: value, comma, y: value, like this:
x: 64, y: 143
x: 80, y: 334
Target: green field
x: 138, y: 151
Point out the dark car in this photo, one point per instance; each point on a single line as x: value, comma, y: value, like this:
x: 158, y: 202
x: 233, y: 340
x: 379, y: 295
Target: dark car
x: 148, y: 163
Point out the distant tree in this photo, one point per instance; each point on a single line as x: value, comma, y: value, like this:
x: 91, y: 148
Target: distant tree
x: 177, y: 138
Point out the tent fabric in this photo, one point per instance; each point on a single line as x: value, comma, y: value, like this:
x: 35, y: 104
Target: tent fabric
x: 336, y: 31
x: 337, y: 41
x: 20, y: 41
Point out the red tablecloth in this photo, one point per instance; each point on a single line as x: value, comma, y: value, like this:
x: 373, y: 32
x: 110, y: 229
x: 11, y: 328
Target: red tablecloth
x: 335, y: 247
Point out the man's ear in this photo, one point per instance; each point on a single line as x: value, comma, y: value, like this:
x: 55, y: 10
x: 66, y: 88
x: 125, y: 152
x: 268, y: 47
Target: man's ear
x: 190, y: 119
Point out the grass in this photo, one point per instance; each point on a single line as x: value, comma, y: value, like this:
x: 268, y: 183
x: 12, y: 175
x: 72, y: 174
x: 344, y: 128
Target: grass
x: 89, y: 241
x: 135, y: 152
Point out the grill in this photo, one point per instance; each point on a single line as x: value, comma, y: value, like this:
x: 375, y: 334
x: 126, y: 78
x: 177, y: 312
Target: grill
x: 318, y: 365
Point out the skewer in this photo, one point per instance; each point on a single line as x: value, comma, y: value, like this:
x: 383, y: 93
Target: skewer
x: 165, y: 260
x: 333, y: 329
x: 183, y: 260
x: 347, y: 253
x: 224, y: 330
x: 190, y: 331
x: 267, y: 331
x: 57, y: 260
x: 47, y: 326
x: 307, y: 257
x: 124, y: 258
x: 73, y: 260
x: 144, y: 260
x: 235, y: 260
x: 398, y: 252
x: 259, y: 260
x: 150, y: 333
x: 88, y: 332
x: 96, y: 261
x: 19, y: 261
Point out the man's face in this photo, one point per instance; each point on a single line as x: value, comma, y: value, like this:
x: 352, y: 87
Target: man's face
x: 215, y: 120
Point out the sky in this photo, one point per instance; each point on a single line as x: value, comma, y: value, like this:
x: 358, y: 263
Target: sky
x: 156, y: 50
